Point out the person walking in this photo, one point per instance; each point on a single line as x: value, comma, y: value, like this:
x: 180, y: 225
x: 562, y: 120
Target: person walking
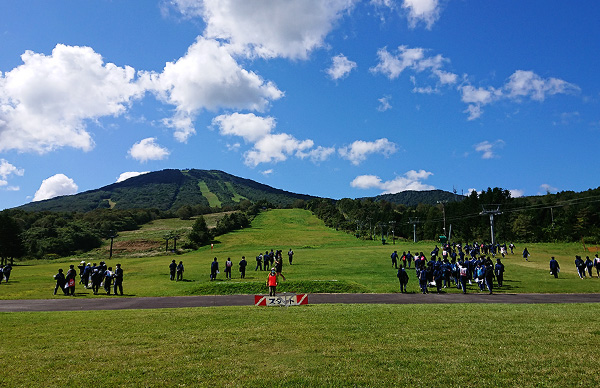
x: 214, y: 269
x: 580, y: 265
x: 172, y: 270
x: 394, y: 257
x: 403, y: 279
x: 499, y: 272
x: 597, y: 265
x: 60, y: 282
x: 228, y: 265
x: 70, y: 278
x: 554, y: 267
x: 108, y: 278
x: 526, y: 254
x: 180, y: 270
x: 290, y: 256
x: 243, y: 264
x: 118, y: 276
x: 259, y: 260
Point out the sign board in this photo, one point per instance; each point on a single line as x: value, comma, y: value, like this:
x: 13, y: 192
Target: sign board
x: 284, y: 299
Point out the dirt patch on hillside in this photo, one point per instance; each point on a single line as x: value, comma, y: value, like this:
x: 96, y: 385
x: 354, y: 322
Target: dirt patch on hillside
x: 136, y: 246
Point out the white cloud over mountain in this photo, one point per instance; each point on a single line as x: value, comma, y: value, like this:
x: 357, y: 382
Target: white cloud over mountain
x: 410, y: 181
x: 147, y: 149
x: 55, y: 186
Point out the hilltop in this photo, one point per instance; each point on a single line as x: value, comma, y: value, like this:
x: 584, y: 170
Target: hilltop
x: 169, y: 190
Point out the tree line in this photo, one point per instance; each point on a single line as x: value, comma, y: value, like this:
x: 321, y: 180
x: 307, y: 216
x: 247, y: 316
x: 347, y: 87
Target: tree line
x: 561, y: 217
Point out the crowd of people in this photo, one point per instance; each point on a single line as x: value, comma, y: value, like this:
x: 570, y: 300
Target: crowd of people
x: 588, y: 265
x: 453, y: 266
x: 91, y: 276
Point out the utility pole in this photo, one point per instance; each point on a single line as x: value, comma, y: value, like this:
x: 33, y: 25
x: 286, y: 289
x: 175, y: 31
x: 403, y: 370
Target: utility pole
x: 393, y: 224
x: 414, y: 221
x: 491, y: 210
x: 444, y: 213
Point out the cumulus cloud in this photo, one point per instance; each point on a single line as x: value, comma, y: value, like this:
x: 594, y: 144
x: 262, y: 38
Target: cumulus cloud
x: 488, y: 149
x: 520, y: 85
x: 208, y: 77
x: 267, y: 147
x: 358, y: 151
x: 47, y: 102
x: 517, y: 193
x: 426, y: 11
x: 248, y: 126
x: 6, y: 170
x: 55, y: 186
x: 410, y: 181
x: 384, y: 103
x: 268, y: 28
x: 340, y: 67
x: 129, y: 174
x: 147, y: 149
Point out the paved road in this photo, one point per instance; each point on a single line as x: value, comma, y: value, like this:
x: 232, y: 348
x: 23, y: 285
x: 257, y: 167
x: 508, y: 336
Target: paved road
x: 120, y: 303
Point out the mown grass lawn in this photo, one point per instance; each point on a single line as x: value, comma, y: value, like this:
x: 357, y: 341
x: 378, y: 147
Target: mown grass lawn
x: 337, y: 261
x: 305, y: 346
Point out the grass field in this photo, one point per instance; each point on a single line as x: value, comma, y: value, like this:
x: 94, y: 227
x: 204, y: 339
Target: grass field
x: 462, y: 345
x: 325, y: 260
x: 312, y: 346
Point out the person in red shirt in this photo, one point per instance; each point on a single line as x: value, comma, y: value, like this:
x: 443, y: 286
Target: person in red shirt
x: 272, y: 282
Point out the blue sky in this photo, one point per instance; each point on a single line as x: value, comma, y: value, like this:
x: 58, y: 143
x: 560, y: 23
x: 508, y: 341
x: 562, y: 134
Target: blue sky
x: 335, y: 98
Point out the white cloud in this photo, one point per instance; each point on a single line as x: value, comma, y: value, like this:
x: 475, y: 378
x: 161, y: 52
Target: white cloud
x: 248, y: 126
x: 208, y: 77
x: 521, y: 84
x: 147, y: 149
x: 129, y: 174
x: 360, y: 149
x: 6, y: 170
x: 46, y: 102
x: 340, y: 67
x: 267, y: 172
x: 416, y: 59
x: 546, y: 189
x: 426, y: 11
x: 319, y: 154
x: 517, y: 193
x: 410, y: 181
x: 268, y: 147
x: 55, y: 186
x: 528, y: 84
x: 488, y: 149
x: 276, y: 148
x: 384, y: 103
x: 269, y: 28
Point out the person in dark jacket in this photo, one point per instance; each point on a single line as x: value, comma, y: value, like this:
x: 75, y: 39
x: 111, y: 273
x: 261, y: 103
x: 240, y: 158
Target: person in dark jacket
x: 172, y: 270
x: 403, y: 279
x: 499, y: 272
x: 243, y: 264
x: 70, y: 278
x: 60, y: 282
x: 554, y: 267
x: 580, y: 265
x: 589, y: 264
x: 180, y: 270
x: 118, y: 276
x: 214, y: 269
x: 96, y: 281
x: 7, y: 269
x: 108, y: 278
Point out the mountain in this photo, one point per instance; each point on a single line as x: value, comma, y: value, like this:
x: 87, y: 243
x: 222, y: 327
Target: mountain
x: 413, y: 198
x: 169, y: 190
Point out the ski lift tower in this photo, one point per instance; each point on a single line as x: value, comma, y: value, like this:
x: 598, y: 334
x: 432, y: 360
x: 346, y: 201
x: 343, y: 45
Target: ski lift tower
x: 491, y: 210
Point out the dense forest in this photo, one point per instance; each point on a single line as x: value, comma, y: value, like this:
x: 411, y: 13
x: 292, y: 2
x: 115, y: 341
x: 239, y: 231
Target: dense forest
x: 565, y: 217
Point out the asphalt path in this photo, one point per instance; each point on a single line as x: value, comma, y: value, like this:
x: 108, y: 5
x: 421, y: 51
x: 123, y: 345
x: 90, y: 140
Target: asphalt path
x: 67, y: 303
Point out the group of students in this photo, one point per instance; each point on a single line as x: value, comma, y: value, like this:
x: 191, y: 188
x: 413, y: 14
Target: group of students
x: 588, y: 265
x: 176, y: 270
x: 268, y: 259
x: 441, y: 272
x: 90, y: 276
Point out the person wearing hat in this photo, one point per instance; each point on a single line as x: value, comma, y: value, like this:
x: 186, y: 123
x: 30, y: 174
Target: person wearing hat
x: 81, y: 267
x: 272, y: 282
